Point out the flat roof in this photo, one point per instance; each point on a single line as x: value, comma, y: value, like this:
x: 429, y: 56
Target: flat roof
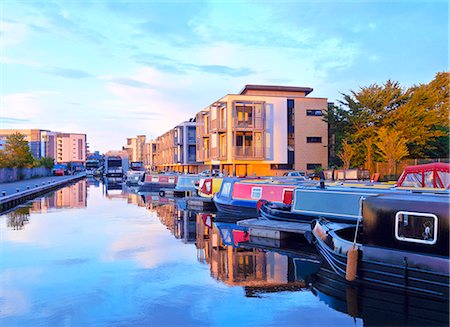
x: 279, y: 88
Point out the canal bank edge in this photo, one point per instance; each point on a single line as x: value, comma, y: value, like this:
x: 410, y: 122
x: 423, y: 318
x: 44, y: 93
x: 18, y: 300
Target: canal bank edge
x: 9, y: 202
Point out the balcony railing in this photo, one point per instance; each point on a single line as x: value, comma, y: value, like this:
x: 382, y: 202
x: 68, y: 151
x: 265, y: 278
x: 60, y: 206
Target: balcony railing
x: 248, y: 152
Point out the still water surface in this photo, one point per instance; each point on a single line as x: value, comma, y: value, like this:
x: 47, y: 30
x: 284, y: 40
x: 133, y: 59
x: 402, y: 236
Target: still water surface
x: 88, y: 255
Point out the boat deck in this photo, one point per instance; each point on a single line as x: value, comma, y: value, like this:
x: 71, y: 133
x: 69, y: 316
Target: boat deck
x: 274, y: 229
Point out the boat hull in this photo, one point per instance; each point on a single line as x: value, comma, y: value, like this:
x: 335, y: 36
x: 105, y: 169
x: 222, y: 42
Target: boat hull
x: 382, y: 267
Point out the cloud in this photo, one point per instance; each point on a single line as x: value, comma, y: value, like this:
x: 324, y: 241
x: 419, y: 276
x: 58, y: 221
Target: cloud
x: 66, y: 72
x: 127, y: 82
x: 12, y: 120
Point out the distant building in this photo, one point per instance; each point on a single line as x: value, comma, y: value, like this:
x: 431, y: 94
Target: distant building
x: 176, y: 149
x: 63, y: 147
x: 71, y: 147
x: 150, y: 155
x: 135, y: 148
x: 263, y: 130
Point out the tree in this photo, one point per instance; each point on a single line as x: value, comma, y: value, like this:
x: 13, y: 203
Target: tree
x: 17, y: 152
x: 423, y: 120
x: 346, y: 154
x: 391, y: 146
x: 47, y: 162
x: 368, y: 144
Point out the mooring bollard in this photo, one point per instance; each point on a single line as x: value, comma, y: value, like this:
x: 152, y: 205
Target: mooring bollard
x: 3, y: 193
x: 28, y: 187
x: 17, y: 190
x: 36, y: 185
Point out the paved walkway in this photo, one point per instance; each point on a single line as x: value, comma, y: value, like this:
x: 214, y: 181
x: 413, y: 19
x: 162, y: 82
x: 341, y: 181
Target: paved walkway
x: 11, y: 188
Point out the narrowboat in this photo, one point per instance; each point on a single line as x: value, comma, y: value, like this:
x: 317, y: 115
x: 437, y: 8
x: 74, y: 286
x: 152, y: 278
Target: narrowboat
x: 154, y: 182
x: 432, y: 175
x: 337, y: 203
x: 402, y: 242
x: 239, y: 196
x: 208, y: 186
x: 134, y: 174
x: 186, y: 185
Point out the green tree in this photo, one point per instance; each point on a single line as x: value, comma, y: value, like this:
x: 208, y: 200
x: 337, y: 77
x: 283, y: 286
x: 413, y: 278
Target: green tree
x: 46, y: 162
x: 391, y: 146
x: 16, y: 153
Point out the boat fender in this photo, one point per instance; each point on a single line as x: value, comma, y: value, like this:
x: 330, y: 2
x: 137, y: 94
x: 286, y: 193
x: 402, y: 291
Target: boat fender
x: 352, y: 264
x: 260, y: 203
x: 162, y: 194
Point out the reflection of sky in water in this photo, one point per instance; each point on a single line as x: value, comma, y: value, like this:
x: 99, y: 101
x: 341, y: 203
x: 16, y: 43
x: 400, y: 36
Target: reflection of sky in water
x: 116, y: 264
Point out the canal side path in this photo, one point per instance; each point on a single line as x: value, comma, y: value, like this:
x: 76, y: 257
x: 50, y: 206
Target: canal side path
x: 15, y: 193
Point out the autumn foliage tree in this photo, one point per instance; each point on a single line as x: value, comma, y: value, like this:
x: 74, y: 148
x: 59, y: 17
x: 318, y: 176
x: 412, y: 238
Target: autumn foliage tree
x: 16, y: 153
x: 418, y: 115
x: 391, y: 146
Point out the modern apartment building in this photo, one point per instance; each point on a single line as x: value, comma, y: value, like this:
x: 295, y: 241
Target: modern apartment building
x: 263, y: 130
x: 176, y: 149
x: 63, y: 147
x: 71, y: 147
x: 150, y: 155
x: 135, y: 148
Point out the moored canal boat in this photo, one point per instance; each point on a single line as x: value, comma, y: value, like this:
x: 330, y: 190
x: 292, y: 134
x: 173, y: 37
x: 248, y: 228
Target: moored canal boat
x: 154, y: 182
x: 186, y: 185
x: 208, y: 186
x: 402, y: 243
x: 239, y: 196
x: 337, y: 203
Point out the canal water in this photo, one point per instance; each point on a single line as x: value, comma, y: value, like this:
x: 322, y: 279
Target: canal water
x: 92, y: 254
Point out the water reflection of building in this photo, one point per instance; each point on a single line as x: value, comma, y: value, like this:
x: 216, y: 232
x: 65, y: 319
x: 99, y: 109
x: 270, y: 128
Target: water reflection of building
x: 72, y: 196
x: 181, y: 223
x: 255, y: 269
x: 134, y: 198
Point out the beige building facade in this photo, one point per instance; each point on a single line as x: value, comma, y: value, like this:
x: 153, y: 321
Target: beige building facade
x: 263, y: 130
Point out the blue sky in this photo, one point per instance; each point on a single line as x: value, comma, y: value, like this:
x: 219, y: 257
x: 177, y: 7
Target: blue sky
x: 115, y: 69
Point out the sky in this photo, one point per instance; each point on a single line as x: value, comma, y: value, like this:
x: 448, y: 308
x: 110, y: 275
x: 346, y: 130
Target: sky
x: 116, y: 69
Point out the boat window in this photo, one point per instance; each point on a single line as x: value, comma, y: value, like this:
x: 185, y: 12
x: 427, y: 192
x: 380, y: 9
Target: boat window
x: 226, y: 188
x: 416, y: 227
x: 155, y: 179
x: 256, y: 192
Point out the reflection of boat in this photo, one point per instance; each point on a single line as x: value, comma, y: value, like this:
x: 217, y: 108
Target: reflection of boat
x: 379, y: 307
x: 154, y: 183
x: 403, y: 243
x: 239, y: 196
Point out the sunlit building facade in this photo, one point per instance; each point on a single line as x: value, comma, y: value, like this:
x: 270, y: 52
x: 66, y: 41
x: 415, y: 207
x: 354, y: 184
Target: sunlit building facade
x: 263, y: 130
x: 176, y: 149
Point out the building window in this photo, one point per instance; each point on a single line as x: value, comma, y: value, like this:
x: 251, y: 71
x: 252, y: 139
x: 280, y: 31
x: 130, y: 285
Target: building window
x: 416, y: 227
x: 313, y: 166
x: 290, y: 103
x: 281, y: 166
x: 314, y: 139
x: 314, y: 112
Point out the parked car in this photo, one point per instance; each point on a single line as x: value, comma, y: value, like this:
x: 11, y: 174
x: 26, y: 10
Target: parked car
x: 214, y: 173
x: 295, y: 174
